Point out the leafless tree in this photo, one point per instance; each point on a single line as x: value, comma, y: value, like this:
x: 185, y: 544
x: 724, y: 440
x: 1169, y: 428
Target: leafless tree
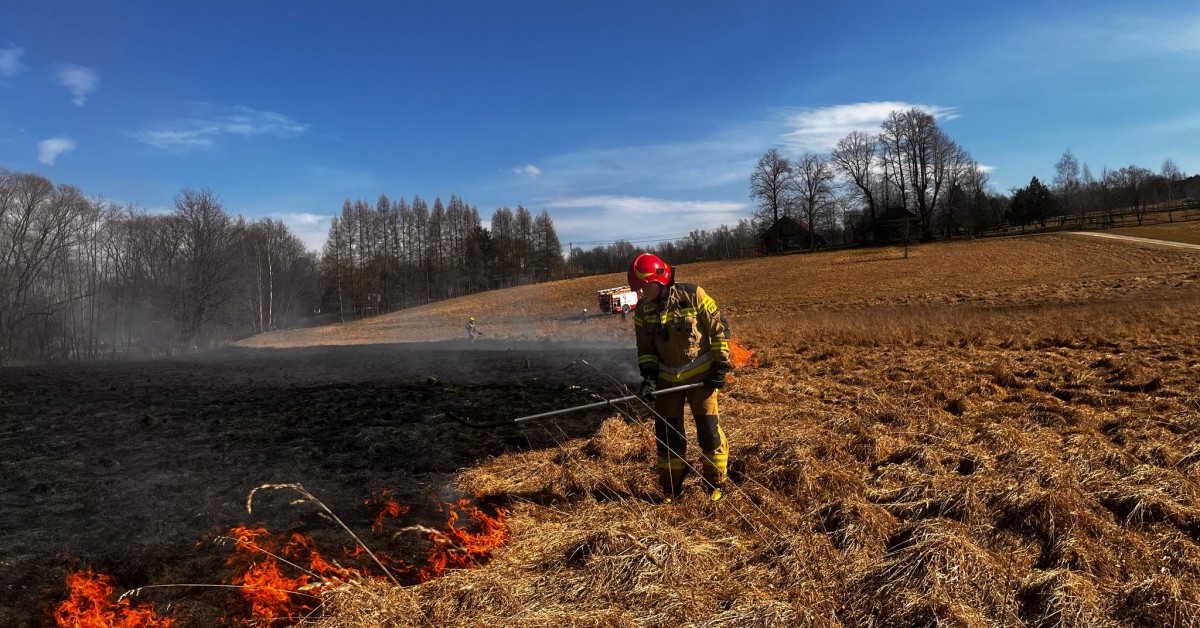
x: 208, y: 266
x: 918, y: 160
x: 772, y: 184
x: 1134, y: 181
x: 1067, y: 186
x: 814, y: 179
x: 855, y: 157
x: 1170, y: 174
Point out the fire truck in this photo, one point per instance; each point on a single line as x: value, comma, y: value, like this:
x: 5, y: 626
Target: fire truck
x: 616, y: 300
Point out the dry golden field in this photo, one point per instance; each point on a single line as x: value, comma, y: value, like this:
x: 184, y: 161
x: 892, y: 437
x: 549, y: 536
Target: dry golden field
x: 1001, y: 432
x: 998, y: 432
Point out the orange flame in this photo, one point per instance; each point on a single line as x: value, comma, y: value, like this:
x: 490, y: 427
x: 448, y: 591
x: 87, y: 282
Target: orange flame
x: 273, y: 596
x: 459, y: 548
x: 88, y: 605
x: 740, y: 356
x: 261, y: 561
x: 388, y: 507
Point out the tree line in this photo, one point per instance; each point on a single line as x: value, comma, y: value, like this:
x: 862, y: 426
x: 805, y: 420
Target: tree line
x: 84, y: 278
x: 1078, y: 196
x: 910, y: 168
x: 399, y: 254
x: 716, y: 244
x: 911, y: 172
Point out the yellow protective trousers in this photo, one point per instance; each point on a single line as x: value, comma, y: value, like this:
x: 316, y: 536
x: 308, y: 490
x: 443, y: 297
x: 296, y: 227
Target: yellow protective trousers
x: 671, y: 437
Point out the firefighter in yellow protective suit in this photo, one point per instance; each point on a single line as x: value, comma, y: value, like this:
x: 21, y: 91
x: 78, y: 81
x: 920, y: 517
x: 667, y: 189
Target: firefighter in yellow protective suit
x: 682, y: 338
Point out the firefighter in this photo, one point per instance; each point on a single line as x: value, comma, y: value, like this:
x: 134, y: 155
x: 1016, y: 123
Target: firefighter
x: 583, y: 316
x: 682, y: 338
x: 471, y: 329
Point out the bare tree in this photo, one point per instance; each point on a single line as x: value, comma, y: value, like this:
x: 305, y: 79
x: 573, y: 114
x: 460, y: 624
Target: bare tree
x: 1170, y: 174
x: 208, y: 267
x: 547, y: 251
x: 772, y: 184
x: 814, y: 184
x: 1067, y: 186
x: 39, y: 228
x: 918, y: 161
x: 855, y: 157
x: 1134, y: 182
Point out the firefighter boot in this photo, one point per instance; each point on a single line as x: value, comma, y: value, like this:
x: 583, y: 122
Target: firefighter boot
x: 714, y: 455
x: 670, y: 479
x: 671, y: 448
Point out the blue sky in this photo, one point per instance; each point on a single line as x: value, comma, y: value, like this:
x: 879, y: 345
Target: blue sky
x: 634, y: 120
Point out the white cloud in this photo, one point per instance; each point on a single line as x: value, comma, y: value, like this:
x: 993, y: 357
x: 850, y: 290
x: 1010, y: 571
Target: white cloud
x: 605, y: 218
x: 49, y: 150
x: 819, y: 129
x: 10, y: 62
x: 208, y: 123
x: 311, y: 229
x: 80, y: 80
x: 641, y: 205
x: 528, y: 170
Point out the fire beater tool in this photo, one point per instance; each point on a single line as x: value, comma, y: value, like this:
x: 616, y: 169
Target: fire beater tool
x: 586, y: 406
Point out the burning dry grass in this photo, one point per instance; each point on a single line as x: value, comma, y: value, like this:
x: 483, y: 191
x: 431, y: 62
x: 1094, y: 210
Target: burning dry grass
x: 1031, y: 465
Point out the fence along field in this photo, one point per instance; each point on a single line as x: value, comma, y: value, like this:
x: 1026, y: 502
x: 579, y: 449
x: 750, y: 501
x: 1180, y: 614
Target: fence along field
x: 989, y: 432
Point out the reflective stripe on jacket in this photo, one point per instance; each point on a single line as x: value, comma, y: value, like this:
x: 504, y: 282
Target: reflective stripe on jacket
x: 682, y: 333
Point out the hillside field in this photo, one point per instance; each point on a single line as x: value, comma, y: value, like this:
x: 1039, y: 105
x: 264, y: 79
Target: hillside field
x: 990, y: 432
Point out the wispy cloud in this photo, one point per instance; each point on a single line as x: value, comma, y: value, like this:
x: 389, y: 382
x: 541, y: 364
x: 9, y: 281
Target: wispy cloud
x: 605, y: 218
x: 312, y: 229
x: 642, y: 205
x: 819, y: 129
x: 80, y: 80
x: 208, y: 123
x: 10, y: 62
x: 528, y: 170
x: 49, y: 150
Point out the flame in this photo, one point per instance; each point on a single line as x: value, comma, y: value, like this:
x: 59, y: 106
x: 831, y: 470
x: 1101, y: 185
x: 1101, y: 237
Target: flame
x: 740, y: 356
x: 272, y: 595
x: 388, y: 508
x: 282, y: 577
x: 88, y: 605
x: 459, y: 548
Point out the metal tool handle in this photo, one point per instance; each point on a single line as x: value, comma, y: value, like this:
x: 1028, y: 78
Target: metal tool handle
x: 589, y: 406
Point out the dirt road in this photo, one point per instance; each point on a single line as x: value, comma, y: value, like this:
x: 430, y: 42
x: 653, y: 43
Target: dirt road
x: 1115, y: 236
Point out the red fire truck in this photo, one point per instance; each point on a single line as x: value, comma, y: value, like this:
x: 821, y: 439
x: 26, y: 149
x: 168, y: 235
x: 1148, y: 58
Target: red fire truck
x: 617, y: 300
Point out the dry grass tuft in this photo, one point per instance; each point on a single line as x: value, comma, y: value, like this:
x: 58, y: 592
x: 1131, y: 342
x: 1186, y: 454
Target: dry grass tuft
x: 933, y: 573
x: 1061, y: 597
x: 1161, y: 600
x: 617, y: 441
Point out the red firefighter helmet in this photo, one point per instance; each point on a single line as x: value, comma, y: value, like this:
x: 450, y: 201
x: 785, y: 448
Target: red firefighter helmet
x: 647, y: 268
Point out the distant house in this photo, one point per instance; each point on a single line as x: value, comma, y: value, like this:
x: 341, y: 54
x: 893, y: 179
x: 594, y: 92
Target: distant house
x: 789, y: 234
x: 895, y: 225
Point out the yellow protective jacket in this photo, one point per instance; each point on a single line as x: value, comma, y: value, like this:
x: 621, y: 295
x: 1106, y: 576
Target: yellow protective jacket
x: 682, y: 334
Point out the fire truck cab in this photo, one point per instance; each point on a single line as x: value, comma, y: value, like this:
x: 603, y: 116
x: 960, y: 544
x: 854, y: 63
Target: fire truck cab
x: 616, y: 300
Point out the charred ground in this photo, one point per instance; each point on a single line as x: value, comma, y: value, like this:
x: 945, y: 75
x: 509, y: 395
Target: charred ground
x: 126, y: 466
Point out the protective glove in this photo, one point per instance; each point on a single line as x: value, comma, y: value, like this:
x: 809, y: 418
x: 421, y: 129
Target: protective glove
x: 716, y: 377
x: 649, y: 385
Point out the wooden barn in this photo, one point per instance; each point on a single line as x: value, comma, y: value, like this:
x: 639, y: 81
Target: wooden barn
x: 896, y: 224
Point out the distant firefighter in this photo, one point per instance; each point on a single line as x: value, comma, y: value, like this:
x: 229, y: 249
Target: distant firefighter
x: 471, y: 332
x: 583, y: 316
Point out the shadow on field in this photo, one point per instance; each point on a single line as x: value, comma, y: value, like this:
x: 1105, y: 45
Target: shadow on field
x: 127, y: 467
